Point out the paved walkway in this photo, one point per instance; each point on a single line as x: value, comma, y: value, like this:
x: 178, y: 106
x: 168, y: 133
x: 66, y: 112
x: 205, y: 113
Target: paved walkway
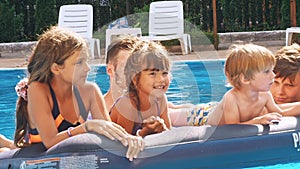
x: 19, y: 59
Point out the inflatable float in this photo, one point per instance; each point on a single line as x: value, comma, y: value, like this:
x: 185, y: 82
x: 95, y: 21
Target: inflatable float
x: 229, y: 146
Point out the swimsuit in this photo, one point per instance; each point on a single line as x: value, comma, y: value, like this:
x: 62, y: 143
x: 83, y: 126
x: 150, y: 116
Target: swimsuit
x: 60, y: 122
x: 198, y: 115
x: 138, y: 124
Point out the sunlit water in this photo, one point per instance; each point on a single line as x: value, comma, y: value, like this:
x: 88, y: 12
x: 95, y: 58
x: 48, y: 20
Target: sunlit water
x: 192, y: 82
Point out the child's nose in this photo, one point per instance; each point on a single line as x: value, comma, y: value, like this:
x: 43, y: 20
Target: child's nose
x: 160, y: 77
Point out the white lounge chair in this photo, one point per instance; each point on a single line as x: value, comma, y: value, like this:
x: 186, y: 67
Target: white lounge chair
x: 166, y: 22
x: 79, y: 18
x: 289, y: 33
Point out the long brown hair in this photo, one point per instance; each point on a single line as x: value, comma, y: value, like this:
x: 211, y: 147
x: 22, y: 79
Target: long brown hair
x: 53, y: 46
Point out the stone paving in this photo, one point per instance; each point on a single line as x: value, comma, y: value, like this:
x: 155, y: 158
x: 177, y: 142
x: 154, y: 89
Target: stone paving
x: 16, y: 54
x: 20, y: 58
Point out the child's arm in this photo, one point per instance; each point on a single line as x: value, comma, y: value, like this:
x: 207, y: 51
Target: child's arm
x: 157, y: 124
x: 97, y: 104
x: 180, y: 106
x: 6, y: 143
x: 270, y: 112
x: 287, y: 109
x: 290, y: 109
x: 165, y: 114
x: 120, y: 119
x: 232, y: 114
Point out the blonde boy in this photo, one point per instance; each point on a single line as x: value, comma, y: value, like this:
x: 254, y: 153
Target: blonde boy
x: 249, y: 69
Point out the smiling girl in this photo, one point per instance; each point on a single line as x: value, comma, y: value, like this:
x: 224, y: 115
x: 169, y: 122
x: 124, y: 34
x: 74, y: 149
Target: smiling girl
x: 143, y: 109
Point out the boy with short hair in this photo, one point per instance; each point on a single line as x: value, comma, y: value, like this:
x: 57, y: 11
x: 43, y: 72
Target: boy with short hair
x: 286, y: 86
x: 249, y: 69
x: 117, y: 54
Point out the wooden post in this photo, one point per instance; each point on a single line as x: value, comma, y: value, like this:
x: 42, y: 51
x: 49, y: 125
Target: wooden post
x: 293, y: 13
x: 127, y: 8
x: 215, y: 24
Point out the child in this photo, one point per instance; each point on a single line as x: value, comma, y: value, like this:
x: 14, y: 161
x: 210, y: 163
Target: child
x: 6, y: 144
x: 117, y: 53
x: 249, y: 69
x: 58, y: 96
x: 143, y: 110
x: 286, y: 86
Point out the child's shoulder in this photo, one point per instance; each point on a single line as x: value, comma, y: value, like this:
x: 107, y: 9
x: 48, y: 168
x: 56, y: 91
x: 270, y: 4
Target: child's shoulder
x: 122, y: 101
x: 266, y: 95
x: 38, y: 86
x: 88, y: 86
x: 231, y: 95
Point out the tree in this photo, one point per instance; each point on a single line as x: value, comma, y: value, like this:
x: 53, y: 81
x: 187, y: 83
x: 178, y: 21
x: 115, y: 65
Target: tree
x: 45, y: 15
x: 285, y: 15
x: 11, y: 23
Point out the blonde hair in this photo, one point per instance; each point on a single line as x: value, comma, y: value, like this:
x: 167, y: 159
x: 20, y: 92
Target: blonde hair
x: 246, y: 60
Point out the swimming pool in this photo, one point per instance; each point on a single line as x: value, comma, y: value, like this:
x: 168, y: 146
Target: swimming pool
x: 192, y: 82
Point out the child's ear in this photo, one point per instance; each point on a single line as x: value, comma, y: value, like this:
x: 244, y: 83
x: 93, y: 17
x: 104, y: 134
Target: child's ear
x: 134, y: 80
x: 244, y: 80
x: 110, y: 69
x: 55, y: 69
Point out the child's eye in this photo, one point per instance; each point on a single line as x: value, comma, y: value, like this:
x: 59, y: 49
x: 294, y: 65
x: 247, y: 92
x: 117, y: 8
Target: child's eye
x: 267, y: 71
x: 165, y: 73
x: 152, y: 73
x: 289, y: 85
x: 79, y: 62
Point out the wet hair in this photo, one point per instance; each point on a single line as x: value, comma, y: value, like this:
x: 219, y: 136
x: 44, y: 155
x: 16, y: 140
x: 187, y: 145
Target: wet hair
x: 53, y: 46
x: 147, y: 55
x: 246, y: 60
x: 125, y: 42
x: 287, y: 62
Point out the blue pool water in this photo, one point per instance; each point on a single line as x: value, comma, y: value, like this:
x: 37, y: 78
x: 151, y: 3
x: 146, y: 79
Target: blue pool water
x: 192, y: 82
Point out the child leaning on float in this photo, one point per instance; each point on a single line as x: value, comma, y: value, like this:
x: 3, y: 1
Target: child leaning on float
x: 249, y: 69
x: 50, y: 106
x: 143, y: 109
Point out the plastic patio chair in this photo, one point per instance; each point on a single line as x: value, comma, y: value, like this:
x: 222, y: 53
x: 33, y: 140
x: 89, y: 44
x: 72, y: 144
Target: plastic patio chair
x: 79, y: 18
x: 288, y: 34
x: 119, y: 27
x: 166, y: 22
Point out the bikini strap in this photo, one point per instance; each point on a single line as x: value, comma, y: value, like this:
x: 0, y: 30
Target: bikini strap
x: 55, y: 110
x: 81, y: 106
x: 116, y: 101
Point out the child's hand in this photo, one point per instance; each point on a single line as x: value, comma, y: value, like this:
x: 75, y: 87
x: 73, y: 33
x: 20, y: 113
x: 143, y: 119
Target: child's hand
x: 267, y: 118
x: 135, y: 146
x: 153, y: 124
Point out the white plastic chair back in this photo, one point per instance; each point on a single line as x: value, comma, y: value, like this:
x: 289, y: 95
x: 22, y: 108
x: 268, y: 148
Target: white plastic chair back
x: 166, y: 22
x: 166, y: 18
x: 79, y: 18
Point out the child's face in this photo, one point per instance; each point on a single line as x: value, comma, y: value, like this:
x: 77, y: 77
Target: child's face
x: 263, y: 80
x: 76, y: 68
x: 154, y: 82
x: 286, y: 91
x: 118, y: 72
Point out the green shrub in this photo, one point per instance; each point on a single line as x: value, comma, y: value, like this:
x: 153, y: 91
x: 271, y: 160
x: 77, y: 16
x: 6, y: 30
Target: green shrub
x: 11, y: 24
x: 45, y: 15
